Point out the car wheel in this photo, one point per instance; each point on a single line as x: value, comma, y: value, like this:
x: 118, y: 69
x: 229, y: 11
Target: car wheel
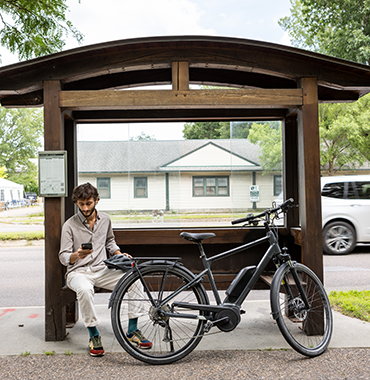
x: 339, y: 238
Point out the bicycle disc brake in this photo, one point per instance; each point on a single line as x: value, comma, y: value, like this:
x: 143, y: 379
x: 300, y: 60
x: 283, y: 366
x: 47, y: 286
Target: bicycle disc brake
x: 298, y: 308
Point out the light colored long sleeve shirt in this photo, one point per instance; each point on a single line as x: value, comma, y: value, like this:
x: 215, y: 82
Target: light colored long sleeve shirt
x: 76, y: 231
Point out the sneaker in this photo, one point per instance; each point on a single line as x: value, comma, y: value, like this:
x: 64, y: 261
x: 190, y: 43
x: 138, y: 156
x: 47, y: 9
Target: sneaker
x: 139, y: 339
x: 95, y: 346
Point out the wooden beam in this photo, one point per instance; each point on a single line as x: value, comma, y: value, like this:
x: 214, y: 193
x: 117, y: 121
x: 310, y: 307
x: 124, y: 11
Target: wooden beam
x: 54, y: 218
x: 124, y: 116
x: 162, y: 99
x: 309, y: 177
x: 180, y: 76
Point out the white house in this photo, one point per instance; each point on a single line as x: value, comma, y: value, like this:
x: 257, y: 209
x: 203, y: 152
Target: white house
x: 10, y: 191
x: 184, y: 175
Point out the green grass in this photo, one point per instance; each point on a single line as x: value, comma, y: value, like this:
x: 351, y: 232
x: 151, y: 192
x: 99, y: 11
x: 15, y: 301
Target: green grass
x: 353, y: 303
x: 26, y: 235
x: 49, y: 353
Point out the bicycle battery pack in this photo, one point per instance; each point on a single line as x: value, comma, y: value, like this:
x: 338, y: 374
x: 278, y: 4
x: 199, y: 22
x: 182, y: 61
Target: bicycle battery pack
x: 239, y: 283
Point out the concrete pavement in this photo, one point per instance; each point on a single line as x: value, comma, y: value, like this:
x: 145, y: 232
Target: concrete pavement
x: 23, y: 330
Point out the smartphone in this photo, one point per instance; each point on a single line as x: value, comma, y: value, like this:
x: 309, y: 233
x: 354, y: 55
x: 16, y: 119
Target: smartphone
x: 86, y: 245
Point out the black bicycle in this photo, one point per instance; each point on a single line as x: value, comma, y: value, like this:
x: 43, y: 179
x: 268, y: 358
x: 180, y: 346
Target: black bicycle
x: 178, y: 312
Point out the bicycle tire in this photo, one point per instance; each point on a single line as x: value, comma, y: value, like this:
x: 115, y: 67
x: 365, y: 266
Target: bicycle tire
x: 172, y: 338
x: 308, y: 333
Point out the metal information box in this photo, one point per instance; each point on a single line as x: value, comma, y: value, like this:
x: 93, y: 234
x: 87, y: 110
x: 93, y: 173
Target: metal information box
x: 53, y: 173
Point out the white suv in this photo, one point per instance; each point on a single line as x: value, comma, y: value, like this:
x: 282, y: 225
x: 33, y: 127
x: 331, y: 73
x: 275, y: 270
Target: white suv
x: 345, y: 212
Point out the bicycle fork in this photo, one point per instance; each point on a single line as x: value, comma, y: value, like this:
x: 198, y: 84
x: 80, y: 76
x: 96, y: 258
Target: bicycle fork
x: 285, y: 257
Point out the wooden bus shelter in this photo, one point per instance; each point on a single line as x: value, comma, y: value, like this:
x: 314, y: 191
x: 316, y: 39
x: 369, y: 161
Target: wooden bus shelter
x: 267, y: 82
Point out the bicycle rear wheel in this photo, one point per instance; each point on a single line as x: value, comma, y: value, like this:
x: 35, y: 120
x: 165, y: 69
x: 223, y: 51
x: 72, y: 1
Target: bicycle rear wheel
x: 307, y: 331
x: 173, y: 338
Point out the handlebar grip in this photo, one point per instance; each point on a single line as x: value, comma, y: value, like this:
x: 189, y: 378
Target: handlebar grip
x: 241, y: 220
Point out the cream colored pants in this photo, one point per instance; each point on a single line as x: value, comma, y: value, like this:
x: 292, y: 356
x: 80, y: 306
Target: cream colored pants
x: 83, y: 284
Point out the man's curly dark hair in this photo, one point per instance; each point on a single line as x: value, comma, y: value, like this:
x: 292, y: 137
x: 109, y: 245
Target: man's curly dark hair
x: 85, y: 191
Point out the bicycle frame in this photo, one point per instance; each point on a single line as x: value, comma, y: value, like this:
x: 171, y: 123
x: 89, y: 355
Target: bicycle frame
x: 271, y: 252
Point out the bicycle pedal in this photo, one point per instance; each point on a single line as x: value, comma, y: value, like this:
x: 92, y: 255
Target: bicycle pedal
x: 242, y: 311
x: 208, y: 326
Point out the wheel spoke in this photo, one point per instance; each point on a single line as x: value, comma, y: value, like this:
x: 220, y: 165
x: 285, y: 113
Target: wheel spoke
x: 172, y: 337
x: 307, y: 331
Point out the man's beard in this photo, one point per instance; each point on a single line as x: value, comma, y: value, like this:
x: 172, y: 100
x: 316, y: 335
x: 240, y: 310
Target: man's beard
x: 87, y: 216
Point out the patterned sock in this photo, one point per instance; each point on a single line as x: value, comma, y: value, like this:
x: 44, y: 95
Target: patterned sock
x: 132, y: 325
x: 93, y: 331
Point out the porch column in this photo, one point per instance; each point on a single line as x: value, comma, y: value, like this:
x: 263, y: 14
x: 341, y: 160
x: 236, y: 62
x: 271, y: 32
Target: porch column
x: 309, y: 177
x: 54, y: 218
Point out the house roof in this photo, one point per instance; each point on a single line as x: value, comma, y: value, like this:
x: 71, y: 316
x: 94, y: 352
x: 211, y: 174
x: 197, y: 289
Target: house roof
x: 167, y: 156
x: 6, y: 184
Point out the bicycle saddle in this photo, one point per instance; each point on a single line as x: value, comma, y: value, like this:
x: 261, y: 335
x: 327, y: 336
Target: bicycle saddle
x: 197, y: 238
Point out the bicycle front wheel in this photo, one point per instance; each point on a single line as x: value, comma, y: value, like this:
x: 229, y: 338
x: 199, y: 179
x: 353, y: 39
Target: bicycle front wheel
x: 307, y: 331
x: 172, y: 337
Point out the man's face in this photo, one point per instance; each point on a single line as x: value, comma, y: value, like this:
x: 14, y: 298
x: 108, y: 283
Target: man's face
x: 86, y: 206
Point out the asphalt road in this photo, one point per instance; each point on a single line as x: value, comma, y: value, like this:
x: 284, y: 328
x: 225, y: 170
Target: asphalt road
x: 22, y: 275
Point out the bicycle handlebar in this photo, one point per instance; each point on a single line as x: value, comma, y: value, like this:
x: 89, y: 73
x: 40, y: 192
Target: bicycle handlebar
x: 283, y: 207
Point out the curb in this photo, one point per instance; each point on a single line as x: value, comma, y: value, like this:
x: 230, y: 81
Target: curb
x: 22, y: 243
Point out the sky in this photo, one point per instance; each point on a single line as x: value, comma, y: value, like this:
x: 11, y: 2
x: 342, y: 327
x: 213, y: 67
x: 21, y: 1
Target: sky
x: 109, y: 20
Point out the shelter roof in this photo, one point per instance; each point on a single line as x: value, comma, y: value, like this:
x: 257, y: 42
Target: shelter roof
x: 212, y: 60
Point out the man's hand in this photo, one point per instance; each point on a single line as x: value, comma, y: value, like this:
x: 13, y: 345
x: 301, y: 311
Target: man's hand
x: 80, y: 254
x: 123, y: 253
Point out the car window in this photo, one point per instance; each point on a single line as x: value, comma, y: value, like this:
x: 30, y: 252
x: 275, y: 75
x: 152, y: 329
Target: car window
x: 333, y: 190
x: 352, y: 191
x: 359, y: 190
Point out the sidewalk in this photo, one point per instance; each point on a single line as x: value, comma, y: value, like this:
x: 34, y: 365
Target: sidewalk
x: 23, y: 330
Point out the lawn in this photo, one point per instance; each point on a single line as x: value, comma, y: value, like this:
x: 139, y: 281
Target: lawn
x: 354, y: 303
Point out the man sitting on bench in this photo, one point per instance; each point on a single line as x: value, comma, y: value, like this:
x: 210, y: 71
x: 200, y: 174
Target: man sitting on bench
x: 86, y: 267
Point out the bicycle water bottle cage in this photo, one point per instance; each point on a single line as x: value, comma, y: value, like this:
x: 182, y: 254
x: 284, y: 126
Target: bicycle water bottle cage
x: 196, y: 238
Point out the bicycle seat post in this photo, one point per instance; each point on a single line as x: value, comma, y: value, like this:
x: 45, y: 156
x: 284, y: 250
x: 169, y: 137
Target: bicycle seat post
x: 201, y: 250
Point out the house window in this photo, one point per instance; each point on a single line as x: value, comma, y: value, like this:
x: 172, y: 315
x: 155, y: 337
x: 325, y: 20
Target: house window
x: 103, y: 185
x: 2, y: 196
x: 278, y: 184
x: 210, y: 186
x: 141, y: 187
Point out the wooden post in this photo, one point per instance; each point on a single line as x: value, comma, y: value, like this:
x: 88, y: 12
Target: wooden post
x: 180, y: 76
x: 70, y: 138
x: 309, y: 177
x: 290, y: 167
x: 70, y: 145
x: 55, y: 329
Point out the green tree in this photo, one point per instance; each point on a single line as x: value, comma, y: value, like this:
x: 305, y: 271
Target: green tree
x: 206, y: 130
x: 268, y: 137
x: 344, y: 135
x: 28, y: 178
x: 2, y: 172
x: 143, y: 137
x: 21, y: 131
x: 33, y: 28
x: 340, y: 28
